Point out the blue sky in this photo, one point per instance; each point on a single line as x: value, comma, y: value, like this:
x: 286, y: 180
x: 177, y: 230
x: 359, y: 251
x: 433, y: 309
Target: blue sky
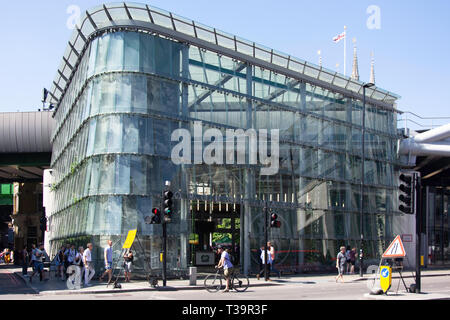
x: 411, y: 46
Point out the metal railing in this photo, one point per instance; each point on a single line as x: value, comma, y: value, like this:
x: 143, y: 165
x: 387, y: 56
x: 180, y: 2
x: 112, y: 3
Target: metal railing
x: 412, y: 121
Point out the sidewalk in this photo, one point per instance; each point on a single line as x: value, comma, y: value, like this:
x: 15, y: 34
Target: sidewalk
x: 56, y: 286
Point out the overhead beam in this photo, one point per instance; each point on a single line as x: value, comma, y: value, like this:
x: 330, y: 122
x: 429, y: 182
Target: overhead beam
x: 218, y: 83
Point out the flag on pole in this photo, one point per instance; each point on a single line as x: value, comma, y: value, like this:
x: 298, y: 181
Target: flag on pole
x: 339, y: 37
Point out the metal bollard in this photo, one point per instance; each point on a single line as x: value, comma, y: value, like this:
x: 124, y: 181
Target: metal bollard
x: 192, y: 276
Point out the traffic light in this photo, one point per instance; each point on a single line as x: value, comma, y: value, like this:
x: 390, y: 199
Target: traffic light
x: 406, y: 193
x: 156, y: 218
x: 167, y: 205
x: 274, y: 223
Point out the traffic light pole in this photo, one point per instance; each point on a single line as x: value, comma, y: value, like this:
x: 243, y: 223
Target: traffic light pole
x: 361, y: 192
x: 164, y: 260
x: 418, y: 204
x: 166, y: 210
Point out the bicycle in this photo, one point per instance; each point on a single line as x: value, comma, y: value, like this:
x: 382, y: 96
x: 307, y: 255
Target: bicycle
x: 238, y: 282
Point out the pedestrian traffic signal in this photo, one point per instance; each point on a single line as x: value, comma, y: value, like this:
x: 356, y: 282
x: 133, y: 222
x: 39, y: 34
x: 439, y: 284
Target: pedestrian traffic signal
x: 167, y: 205
x: 274, y: 223
x: 156, y: 218
x: 406, y: 193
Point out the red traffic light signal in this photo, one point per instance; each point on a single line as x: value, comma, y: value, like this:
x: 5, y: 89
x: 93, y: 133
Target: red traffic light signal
x: 274, y: 223
x: 156, y: 218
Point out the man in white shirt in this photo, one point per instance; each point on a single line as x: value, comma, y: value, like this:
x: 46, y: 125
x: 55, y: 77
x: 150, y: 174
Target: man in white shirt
x: 264, y: 252
x: 88, y: 265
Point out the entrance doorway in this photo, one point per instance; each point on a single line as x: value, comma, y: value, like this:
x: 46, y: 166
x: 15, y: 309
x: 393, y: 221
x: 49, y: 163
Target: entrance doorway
x: 214, y: 224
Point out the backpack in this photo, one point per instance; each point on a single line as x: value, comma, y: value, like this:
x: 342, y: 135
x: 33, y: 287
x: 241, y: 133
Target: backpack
x: 347, y: 254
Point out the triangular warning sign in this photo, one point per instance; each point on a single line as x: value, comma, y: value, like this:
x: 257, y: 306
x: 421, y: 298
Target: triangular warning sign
x: 395, y: 249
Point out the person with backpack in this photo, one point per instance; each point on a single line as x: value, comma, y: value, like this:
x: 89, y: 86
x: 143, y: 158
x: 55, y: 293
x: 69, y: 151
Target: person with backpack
x: 70, y: 255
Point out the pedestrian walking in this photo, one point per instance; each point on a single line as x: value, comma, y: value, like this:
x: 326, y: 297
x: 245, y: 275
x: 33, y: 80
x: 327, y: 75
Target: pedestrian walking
x: 78, y: 261
x: 108, y: 256
x: 71, y: 255
x: 352, y: 260
x: 261, y: 265
x: 225, y: 262
x: 127, y: 262
x: 25, y: 261
x: 269, y: 261
x: 89, y: 270
x: 272, y: 256
x: 66, y: 257
x: 33, y: 256
x: 347, y: 259
x: 59, y: 262
x: 40, y: 256
x: 340, y: 264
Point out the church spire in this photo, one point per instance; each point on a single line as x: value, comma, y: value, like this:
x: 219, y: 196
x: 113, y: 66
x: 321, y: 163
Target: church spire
x: 372, y: 69
x: 355, y: 71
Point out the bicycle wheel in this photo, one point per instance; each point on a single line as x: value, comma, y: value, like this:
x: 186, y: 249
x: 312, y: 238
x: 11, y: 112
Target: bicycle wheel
x: 213, y: 283
x: 240, y: 282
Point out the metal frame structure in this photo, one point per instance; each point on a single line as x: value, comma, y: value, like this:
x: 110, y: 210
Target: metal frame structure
x: 143, y: 17
x: 247, y: 60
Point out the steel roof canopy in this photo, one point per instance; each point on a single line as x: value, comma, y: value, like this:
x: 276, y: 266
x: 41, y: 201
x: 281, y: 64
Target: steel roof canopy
x: 144, y: 17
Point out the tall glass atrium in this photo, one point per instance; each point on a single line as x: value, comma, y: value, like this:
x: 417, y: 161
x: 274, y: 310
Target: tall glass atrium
x: 132, y: 74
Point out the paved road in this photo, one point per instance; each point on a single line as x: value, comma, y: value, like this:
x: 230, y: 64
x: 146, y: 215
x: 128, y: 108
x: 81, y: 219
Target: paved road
x: 321, y: 287
x: 317, y: 288
x: 12, y: 285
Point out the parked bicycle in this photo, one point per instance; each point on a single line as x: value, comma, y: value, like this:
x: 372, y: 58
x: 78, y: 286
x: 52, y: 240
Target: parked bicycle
x: 238, y: 282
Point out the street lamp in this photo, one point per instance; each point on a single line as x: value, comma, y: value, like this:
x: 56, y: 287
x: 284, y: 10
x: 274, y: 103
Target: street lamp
x: 363, y: 156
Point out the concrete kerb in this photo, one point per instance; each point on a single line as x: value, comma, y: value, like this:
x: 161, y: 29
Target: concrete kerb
x: 406, y: 296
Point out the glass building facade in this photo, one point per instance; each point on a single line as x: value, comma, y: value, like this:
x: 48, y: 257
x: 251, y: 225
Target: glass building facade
x: 124, y: 87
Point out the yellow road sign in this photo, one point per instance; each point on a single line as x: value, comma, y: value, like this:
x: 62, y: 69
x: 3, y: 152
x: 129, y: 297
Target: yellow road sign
x: 385, y: 278
x: 130, y: 239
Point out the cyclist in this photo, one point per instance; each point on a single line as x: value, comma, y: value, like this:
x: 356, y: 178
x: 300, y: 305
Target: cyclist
x: 227, y: 266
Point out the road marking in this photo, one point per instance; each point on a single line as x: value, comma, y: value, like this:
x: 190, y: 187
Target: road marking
x: 161, y: 298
